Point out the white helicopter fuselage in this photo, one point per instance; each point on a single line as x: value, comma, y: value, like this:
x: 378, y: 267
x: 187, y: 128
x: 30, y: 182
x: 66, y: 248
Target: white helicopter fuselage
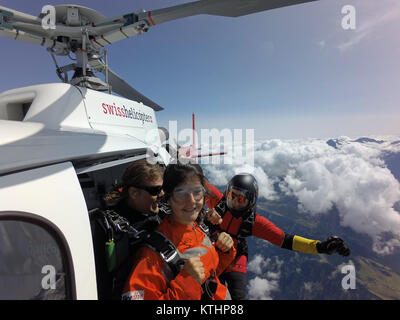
x: 63, y: 122
x: 61, y: 147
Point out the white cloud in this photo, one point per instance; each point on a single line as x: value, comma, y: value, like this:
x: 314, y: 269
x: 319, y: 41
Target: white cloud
x: 267, y: 279
x: 351, y: 177
x: 261, y: 289
x: 308, y: 286
x: 257, y: 264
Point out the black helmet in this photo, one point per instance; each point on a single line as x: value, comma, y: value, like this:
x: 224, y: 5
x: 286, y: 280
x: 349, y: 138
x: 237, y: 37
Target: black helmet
x: 246, y: 184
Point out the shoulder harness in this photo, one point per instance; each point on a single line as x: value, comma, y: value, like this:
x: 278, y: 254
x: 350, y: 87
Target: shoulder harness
x: 246, y: 227
x: 119, y: 230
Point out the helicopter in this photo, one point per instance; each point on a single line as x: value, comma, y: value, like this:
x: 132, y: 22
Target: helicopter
x: 63, y: 144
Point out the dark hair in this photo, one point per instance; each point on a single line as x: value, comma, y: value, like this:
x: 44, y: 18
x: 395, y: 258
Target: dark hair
x: 175, y: 174
x: 138, y: 173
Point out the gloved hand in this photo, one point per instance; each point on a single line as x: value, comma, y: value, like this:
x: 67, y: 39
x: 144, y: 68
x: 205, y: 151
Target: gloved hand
x: 333, y: 245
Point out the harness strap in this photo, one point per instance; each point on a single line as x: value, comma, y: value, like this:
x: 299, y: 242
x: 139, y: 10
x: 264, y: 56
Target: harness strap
x: 209, y: 287
x: 141, y: 233
x: 166, y: 249
x: 246, y: 227
x: 158, y: 242
x: 220, y: 207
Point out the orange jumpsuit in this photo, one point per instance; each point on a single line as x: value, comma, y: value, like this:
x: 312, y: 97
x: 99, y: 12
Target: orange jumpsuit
x: 151, y: 278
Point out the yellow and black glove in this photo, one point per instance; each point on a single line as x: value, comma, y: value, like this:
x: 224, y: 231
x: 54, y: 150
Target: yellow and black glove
x: 333, y: 245
x: 300, y: 244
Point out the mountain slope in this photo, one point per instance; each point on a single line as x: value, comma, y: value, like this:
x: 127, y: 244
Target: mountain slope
x: 380, y: 280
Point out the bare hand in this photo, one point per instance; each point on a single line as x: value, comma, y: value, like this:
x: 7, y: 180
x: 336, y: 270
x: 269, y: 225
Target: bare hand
x: 224, y: 242
x: 194, y: 267
x: 213, y: 217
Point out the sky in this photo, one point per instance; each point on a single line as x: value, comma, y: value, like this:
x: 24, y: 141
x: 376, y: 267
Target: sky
x: 287, y: 73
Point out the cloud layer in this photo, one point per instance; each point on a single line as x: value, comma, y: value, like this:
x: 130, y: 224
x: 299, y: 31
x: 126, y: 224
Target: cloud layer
x: 346, y: 174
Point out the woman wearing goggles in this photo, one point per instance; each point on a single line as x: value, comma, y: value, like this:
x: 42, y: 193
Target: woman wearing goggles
x: 202, y: 260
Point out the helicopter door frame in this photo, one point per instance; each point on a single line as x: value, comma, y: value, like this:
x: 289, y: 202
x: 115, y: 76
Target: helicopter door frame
x: 54, y: 194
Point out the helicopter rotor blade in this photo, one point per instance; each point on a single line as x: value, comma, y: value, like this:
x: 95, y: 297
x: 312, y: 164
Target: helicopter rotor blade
x: 139, y: 22
x: 237, y: 8
x: 226, y: 8
x: 121, y: 87
x: 106, y: 31
x: 12, y: 24
x: 53, y: 45
x: 15, y: 15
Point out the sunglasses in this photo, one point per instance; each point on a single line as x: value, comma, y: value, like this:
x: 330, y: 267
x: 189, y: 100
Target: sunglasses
x: 182, y: 194
x: 153, y: 190
x: 240, y: 198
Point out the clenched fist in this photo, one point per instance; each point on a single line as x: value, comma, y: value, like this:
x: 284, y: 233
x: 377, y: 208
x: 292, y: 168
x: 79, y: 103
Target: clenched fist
x: 333, y: 245
x: 194, y: 267
x: 213, y: 217
x: 224, y: 242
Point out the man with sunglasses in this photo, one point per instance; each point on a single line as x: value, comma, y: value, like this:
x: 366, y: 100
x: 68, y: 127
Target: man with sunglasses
x: 141, y: 191
x: 234, y: 213
x: 135, y: 200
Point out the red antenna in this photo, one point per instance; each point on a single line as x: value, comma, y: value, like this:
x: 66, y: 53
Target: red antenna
x: 191, y: 151
x: 194, y: 133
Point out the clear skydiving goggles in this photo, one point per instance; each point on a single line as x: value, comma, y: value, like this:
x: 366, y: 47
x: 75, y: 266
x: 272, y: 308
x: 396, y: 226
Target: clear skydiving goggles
x: 181, y: 194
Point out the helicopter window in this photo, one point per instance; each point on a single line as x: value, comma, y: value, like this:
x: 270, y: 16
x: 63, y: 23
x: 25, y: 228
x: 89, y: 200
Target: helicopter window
x: 34, y: 260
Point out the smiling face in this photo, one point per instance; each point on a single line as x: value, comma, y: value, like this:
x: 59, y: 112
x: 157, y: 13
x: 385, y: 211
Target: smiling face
x: 142, y: 201
x: 187, y: 200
